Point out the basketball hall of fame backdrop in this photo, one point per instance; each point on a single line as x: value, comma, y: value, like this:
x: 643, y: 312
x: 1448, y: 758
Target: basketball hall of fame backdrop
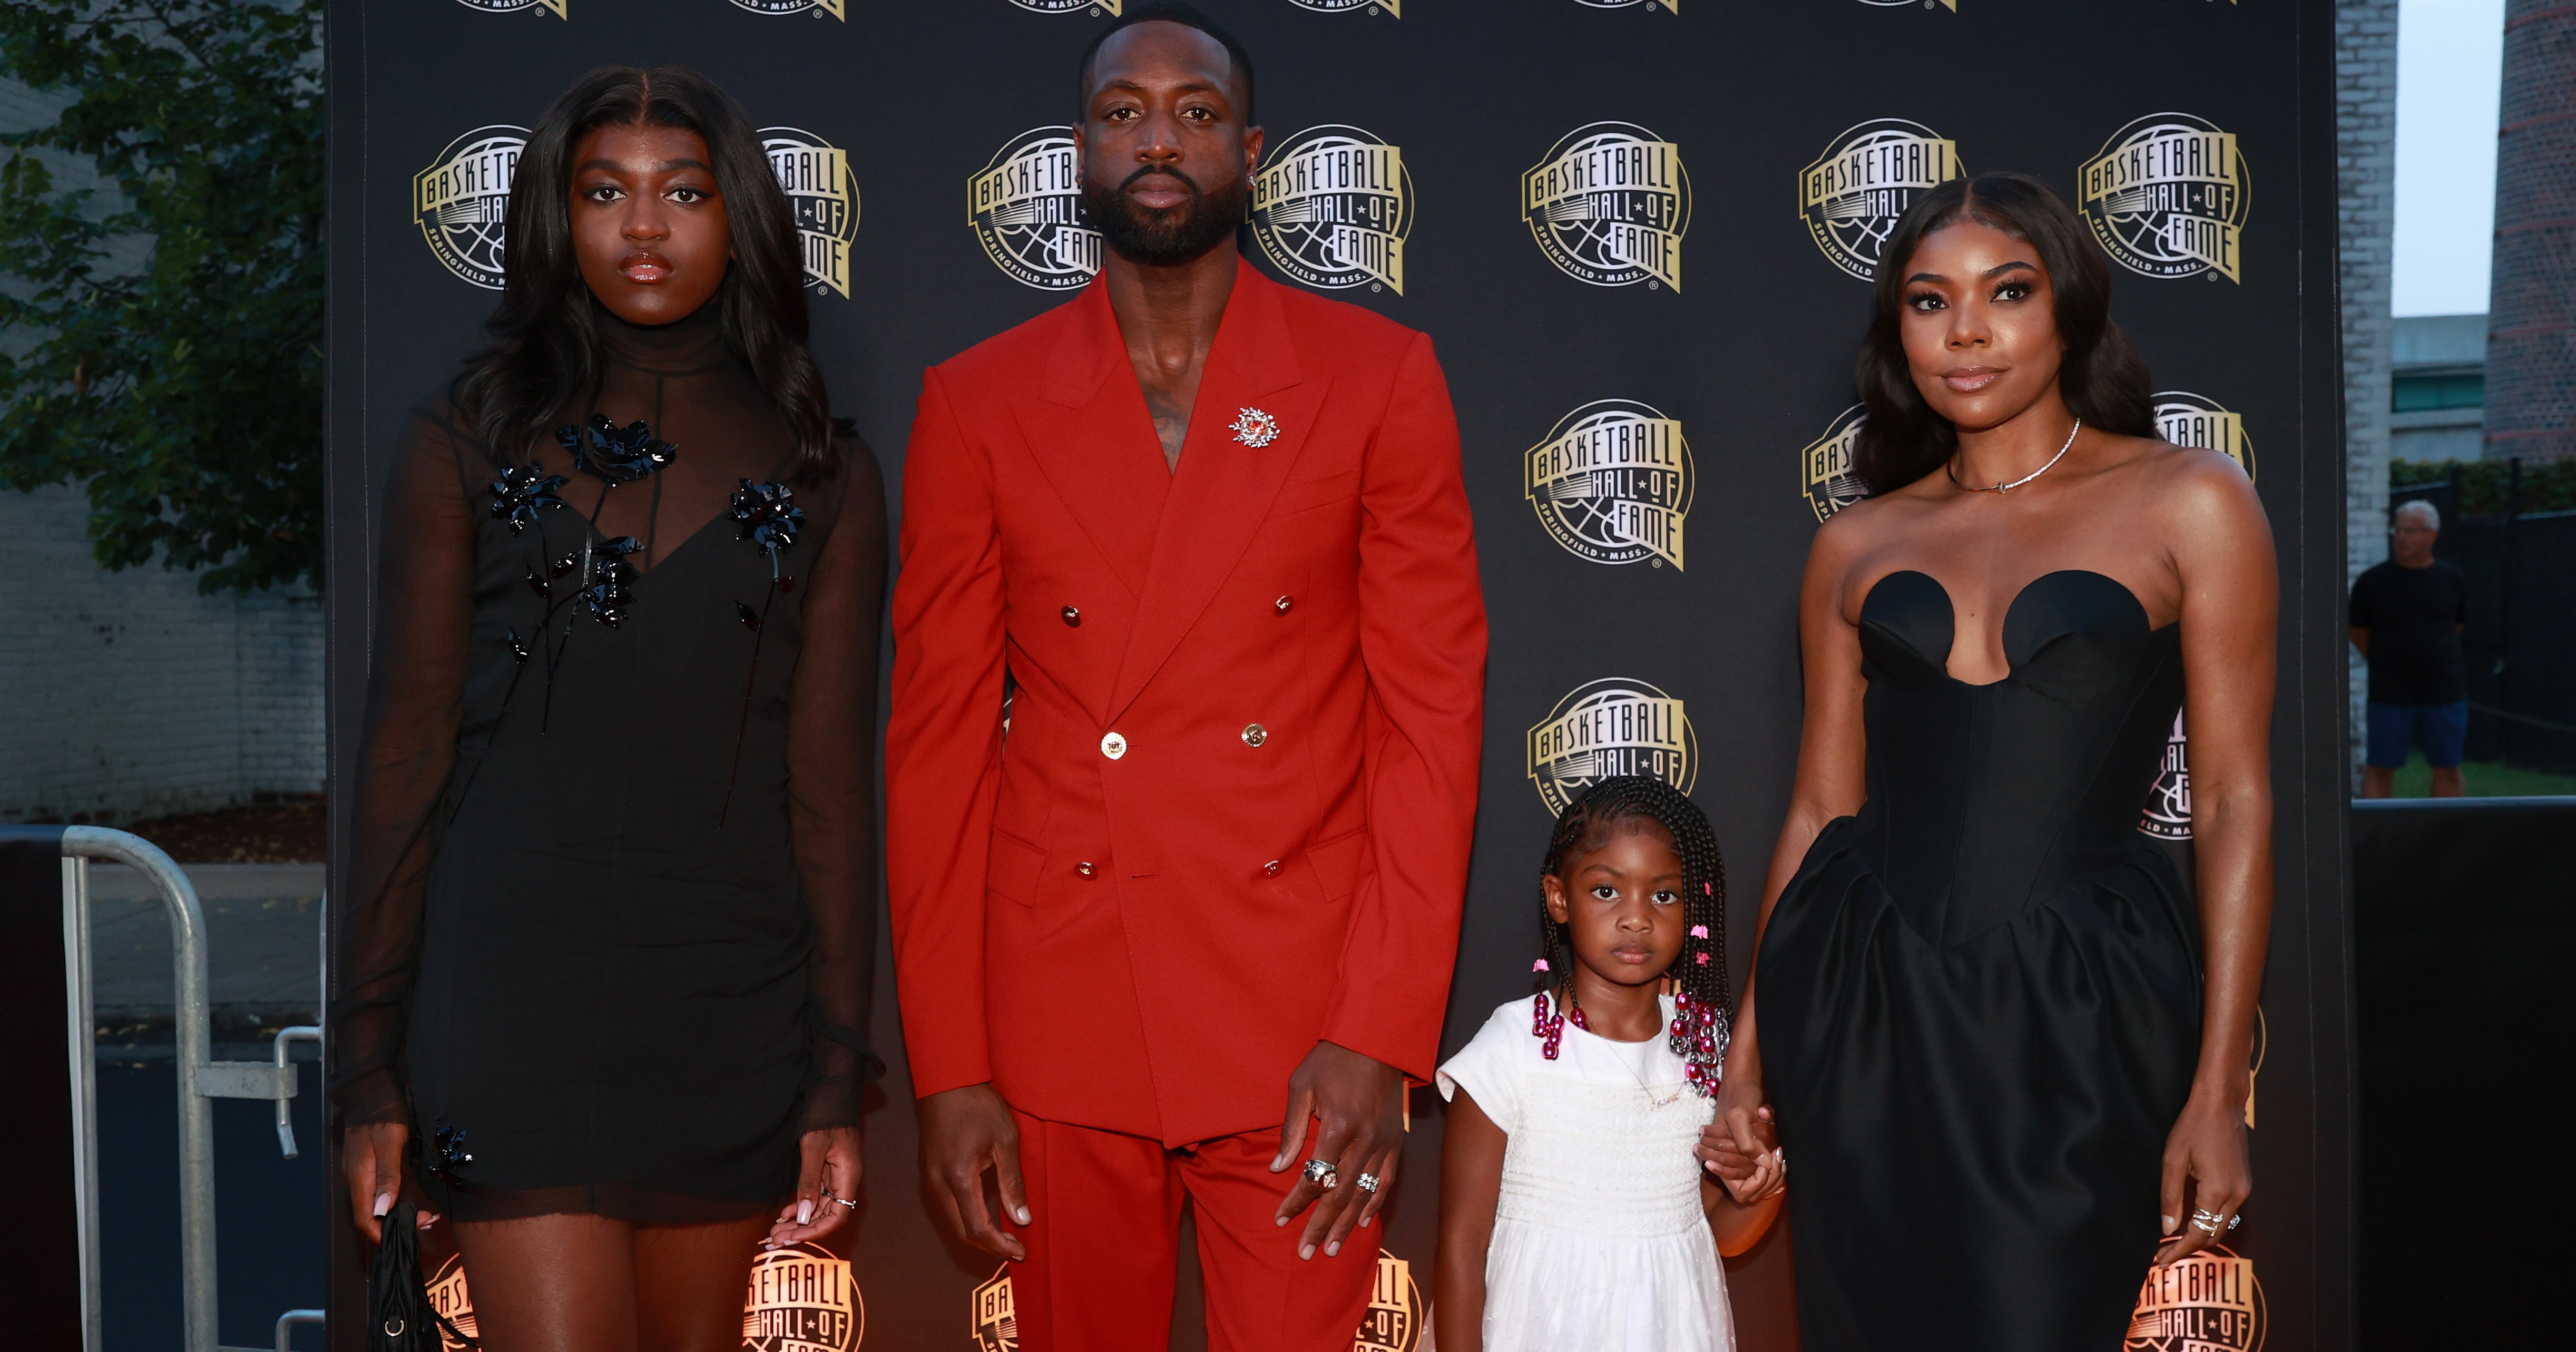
x: 1641, y: 232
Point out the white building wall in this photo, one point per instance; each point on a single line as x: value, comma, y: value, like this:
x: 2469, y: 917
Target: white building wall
x: 2366, y: 189
x: 126, y: 694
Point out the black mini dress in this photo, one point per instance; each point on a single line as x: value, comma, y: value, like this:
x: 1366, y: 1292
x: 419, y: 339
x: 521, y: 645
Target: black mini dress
x: 1980, y: 998
x: 613, y: 847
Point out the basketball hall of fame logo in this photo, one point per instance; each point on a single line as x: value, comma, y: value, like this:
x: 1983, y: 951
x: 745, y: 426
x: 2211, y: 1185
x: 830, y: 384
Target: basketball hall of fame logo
x: 2188, y: 419
x: 997, y: 1327
x: 2208, y: 1302
x: 462, y: 201
x: 800, y: 1299
x: 1393, y: 9
x: 2167, y: 197
x: 1394, y: 1319
x: 553, y: 7
x: 1612, y: 726
x: 1109, y: 7
x: 2168, y: 812
x: 1609, y: 205
x: 1332, y: 205
x: 817, y: 8
x: 1651, y: 6
x: 816, y: 175
x: 1612, y: 483
x: 1393, y: 1322
x: 1825, y: 465
x: 1851, y: 196
x: 448, y: 1296
x: 1950, y: 5
x: 1025, y: 206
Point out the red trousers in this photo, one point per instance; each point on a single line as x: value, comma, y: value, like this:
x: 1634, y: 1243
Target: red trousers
x: 1104, y: 1243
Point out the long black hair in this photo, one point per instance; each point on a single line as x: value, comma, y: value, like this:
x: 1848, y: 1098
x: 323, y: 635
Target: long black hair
x: 545, y: 339
x: 2102, y: 378
x: 1702, y: 996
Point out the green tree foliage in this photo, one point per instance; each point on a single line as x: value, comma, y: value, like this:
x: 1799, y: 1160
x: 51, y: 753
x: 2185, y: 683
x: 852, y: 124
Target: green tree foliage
x: 185, y: 391
x: 2547, y: 485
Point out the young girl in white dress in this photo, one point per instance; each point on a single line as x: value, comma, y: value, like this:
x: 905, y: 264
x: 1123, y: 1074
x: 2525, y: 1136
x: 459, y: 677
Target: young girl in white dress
x: 1574, y: 1216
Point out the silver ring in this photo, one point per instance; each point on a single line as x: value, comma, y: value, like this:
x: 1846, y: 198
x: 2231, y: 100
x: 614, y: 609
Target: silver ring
x: 1322, y: 1174
x: 1367, y: 1183
x: 2208, y: 1227
x: 2236, y: 1220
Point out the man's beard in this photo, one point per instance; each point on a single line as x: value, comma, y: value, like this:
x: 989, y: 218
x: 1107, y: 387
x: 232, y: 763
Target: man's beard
x: 1167, y: 238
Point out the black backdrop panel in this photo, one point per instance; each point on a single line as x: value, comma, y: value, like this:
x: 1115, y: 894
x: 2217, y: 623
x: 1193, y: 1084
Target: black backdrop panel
x: 2464, y: 911
x: 1713, y: 349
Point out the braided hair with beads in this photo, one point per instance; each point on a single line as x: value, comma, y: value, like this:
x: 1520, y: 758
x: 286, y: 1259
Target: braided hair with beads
x: 1702, y: 1001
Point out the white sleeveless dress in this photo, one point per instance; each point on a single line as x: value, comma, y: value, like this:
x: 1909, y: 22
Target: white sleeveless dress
x: 1600, y: 1244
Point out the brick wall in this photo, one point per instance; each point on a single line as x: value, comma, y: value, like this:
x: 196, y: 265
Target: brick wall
x: 2531, y: 319
x: 127, y: 695
x: 2366, y: 186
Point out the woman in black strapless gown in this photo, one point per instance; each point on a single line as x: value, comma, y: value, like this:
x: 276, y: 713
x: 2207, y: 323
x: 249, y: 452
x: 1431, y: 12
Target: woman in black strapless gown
x: 2005, y: 1050
x: 603, y: 992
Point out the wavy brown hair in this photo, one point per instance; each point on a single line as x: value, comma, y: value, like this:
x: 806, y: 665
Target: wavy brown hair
x: 545, y: 338
x: 2102, y: 378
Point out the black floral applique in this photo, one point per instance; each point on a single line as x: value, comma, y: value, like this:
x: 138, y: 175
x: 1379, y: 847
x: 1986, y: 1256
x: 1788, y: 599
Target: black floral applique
x: 447, y: 1152
x: 608, y: 580
x: 767, y: 516
x: 614, y: 454
x: 521, y: 492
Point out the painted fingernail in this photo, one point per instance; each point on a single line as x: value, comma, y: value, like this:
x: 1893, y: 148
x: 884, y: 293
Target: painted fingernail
x: 1333, y: 1249
x: 805, y: 1211
x: 384, y: 1203
x: 1023, y: 1214
x: 2169, y: 1225
x: 1279, y: 1220
x: 1305, y: 1251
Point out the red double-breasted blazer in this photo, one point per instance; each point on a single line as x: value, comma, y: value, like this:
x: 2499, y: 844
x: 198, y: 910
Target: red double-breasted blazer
x: 1182, y: 768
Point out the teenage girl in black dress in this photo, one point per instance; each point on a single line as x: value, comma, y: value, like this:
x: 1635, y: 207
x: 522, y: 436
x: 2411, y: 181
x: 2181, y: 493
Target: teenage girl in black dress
x: 614, y: 843
x: 2007, y: 1054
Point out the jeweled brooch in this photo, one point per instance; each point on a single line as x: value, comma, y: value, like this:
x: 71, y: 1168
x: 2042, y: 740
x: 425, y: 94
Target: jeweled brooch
x: 1253, y: 427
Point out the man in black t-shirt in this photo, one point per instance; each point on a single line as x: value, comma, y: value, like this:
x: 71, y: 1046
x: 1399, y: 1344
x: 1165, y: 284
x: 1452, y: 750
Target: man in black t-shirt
x: 2406, y: 619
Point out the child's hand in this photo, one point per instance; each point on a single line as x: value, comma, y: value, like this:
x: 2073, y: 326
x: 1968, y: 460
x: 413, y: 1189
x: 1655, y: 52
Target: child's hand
x: 1748, y: 1178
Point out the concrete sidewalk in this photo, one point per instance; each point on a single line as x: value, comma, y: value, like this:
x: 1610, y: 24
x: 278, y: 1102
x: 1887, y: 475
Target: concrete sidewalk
x: 263, y: 947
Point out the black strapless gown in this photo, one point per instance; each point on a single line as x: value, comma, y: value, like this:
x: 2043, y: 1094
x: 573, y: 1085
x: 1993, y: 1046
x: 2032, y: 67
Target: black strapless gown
x: 1980, y: 997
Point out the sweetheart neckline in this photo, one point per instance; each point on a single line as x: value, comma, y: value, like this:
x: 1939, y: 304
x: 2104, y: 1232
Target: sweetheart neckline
x: 2010, y: 670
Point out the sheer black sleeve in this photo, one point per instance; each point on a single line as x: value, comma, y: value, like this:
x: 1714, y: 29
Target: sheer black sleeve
x: 415, y: 690
x: 831, y: 768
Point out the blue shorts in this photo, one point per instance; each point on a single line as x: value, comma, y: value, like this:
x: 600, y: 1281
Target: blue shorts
x: 2443, y: 729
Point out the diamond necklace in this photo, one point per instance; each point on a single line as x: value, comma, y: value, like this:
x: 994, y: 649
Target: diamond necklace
x: 1953, y: 471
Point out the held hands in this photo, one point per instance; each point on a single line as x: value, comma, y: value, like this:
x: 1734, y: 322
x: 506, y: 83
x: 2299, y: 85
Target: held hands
x: 1741, y: 1146
x: 827, y: 1188
x: 1358, y: 1103
x: 2207, y: 1150
x: 371, y: 1160
x: 965, y: 1132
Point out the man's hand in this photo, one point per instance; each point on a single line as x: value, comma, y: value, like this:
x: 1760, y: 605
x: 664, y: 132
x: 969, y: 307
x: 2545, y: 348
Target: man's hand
x: 963, y: 1133
x: 1359, y: 1103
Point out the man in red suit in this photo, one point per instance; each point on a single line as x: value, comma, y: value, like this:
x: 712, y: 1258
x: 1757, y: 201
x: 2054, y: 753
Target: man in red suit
x: 1183, y: 763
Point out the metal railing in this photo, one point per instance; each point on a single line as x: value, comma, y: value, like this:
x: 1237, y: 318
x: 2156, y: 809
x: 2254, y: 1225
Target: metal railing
x: 201, y: 1078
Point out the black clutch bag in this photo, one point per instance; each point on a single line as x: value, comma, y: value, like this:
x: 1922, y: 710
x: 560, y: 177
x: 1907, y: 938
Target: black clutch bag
x: 401, y: 1319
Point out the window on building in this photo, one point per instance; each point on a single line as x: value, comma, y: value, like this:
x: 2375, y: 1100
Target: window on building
x: 2421, y: 393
